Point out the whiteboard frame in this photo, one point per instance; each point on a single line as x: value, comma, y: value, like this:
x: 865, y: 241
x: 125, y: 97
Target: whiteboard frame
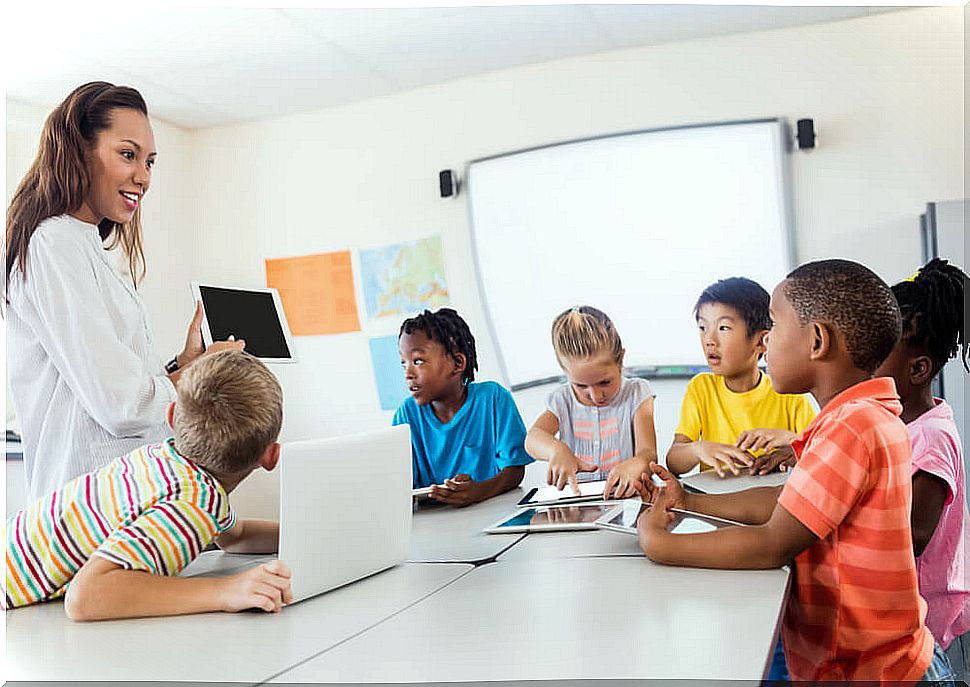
x: 788, y: 233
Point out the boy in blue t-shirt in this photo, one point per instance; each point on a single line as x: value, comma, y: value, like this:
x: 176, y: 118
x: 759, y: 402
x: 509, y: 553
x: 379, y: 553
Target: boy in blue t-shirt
x: 467, y: 439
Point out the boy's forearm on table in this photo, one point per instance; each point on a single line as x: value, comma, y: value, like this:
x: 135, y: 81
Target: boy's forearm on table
x: 731, y: 548
x: 751, y: 506
x: 118, y: 593
x: 508, y: 478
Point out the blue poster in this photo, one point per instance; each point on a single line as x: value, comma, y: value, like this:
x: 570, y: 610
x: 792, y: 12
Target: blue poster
x: 386, y: 360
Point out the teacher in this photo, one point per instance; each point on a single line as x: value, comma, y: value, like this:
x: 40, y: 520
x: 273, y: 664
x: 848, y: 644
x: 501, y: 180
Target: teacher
x: 87, y: 384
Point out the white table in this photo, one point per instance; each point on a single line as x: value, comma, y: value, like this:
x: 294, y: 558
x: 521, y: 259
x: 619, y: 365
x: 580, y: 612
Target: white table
x: 582, y: 544
x: 553, y: 606
x: 445, y: 534
x: 43, y: 644
x: 586, y: 543
x: 570, y: 618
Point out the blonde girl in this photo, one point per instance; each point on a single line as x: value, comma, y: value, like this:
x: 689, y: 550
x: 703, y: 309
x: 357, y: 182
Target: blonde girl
x: 599, y: 424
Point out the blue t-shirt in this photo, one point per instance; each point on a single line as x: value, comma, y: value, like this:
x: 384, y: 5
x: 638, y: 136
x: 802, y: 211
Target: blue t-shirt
x: 485, y: 436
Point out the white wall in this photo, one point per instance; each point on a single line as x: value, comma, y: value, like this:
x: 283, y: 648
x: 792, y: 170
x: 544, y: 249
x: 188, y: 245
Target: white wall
x: 886, y: 93
x: 23, y: 124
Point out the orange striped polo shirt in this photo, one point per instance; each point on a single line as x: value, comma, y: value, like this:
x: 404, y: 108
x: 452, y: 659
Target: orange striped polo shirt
x: 855, y: 612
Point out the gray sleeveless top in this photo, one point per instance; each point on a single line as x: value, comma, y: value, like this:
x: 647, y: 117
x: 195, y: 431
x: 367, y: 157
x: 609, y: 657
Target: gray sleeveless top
x: 602, y: 435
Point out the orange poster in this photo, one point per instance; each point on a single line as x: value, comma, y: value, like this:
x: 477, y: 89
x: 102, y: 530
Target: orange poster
x: 317, y: 292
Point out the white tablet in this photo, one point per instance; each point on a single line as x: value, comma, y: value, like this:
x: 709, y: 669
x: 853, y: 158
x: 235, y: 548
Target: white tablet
x: 550, y: 495
x: 623, y: 518
x: 421, y: 493
x: 581, y: 516
x: 253, y: 314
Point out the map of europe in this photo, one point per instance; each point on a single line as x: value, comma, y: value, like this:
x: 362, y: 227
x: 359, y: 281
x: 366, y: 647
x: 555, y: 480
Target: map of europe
x: 403, y: 279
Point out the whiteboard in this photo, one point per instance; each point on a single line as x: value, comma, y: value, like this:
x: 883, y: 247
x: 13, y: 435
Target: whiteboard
x: 635, y: 224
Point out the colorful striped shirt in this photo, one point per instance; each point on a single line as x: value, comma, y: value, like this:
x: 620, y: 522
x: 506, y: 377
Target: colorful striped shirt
x: 149, y: 510
x: 855, y: 612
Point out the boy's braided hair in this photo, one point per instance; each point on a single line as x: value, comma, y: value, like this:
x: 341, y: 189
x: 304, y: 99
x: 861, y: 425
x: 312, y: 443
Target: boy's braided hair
x: 448, y: 328
x: 932, y: 306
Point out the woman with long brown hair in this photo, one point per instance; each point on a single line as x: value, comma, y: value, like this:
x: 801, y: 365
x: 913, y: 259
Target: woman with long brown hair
x: 86, y: 382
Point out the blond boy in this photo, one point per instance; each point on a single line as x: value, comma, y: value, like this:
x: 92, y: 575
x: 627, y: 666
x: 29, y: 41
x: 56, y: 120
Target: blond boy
x: 112, y: 541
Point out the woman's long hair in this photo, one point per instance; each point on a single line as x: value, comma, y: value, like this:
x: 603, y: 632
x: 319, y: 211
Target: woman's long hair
x: 58, y: 180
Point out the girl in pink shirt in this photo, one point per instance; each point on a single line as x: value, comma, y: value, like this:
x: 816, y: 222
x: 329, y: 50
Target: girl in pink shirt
x: 933, y: 332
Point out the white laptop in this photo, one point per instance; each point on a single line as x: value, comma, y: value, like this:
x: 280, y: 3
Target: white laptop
x: 345, y: 508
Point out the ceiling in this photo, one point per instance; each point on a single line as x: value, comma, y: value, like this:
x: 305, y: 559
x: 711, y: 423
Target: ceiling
x: 200, y: 67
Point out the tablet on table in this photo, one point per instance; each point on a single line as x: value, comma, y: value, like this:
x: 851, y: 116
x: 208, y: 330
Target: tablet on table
x: 623, y: 518
x: 550, y: 495
x: 579, y: 516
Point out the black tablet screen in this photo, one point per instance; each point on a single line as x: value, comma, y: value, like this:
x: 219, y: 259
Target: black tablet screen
x: 249, y: 315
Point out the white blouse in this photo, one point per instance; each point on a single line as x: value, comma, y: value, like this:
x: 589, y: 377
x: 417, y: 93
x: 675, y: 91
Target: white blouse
x: 86, y: 383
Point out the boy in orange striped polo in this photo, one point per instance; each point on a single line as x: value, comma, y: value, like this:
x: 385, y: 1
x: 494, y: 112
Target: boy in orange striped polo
x: 110, y: 541
x: 844, y: 515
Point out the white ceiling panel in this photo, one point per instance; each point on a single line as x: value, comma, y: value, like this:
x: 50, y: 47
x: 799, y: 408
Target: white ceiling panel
x: 351, y: 23
x: 635, y: 25
x: 302, y: 73
x: 201, y: 67
x: 189, y: 38
x: 475, y: 41
x: 175, y: 106
x: 269, y: 89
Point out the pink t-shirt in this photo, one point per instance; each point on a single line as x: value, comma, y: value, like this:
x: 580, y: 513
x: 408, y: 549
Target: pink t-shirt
x: 942, y: 569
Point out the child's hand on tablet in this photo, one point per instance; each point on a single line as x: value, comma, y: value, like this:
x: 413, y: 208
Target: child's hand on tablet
x: 563, y: 468
x: 675, y: 494
x: 767, y: 439
x: 624, y: 480
x: 723, y: 457
x: 782, y: 459
x: 458, y: 491
x: 658, y: 517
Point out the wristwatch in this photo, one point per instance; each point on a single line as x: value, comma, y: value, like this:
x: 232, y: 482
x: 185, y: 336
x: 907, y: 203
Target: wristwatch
x: 172, y: 365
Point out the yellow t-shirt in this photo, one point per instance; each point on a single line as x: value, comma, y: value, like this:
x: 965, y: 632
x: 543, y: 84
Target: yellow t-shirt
x: 713, y: 412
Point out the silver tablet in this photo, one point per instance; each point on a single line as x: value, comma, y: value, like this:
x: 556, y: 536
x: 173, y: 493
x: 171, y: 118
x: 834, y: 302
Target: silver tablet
x: 551, y: 496
x: 421, y: 493
x: 581, y: 516
x: 623, y: 518
x: 253, y: 314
